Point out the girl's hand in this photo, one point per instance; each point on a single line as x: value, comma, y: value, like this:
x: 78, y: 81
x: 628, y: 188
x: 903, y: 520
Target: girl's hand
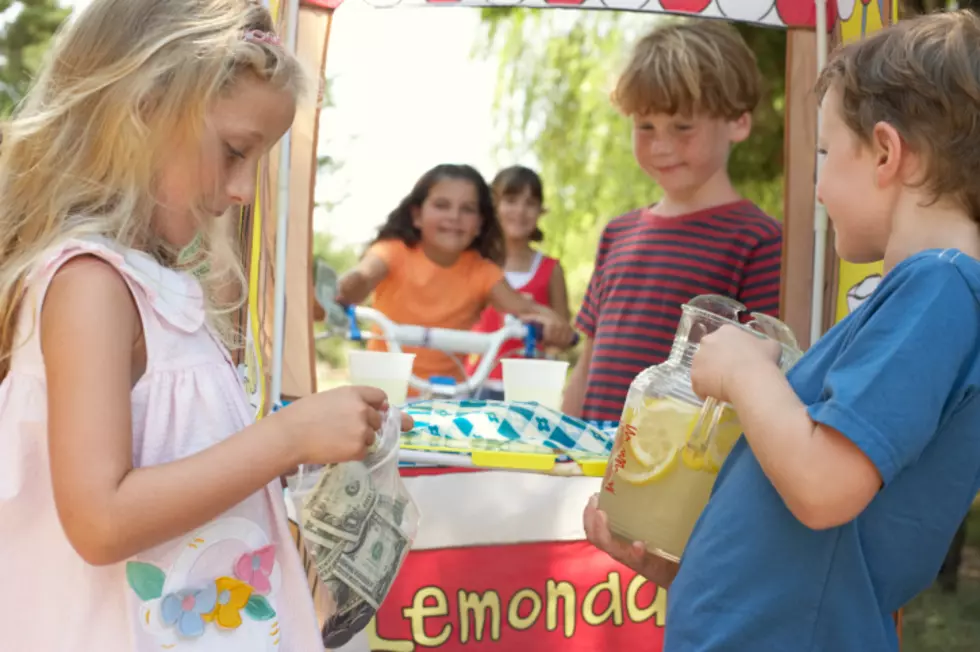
x: 722, y: 354
x: 351, y: 287
x: 337, y: 425
x: 659, y: 571
x: 557, y: 331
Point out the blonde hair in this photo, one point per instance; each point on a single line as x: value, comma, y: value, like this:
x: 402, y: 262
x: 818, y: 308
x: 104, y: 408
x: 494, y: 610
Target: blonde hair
x: 122, y: 80
x: 688, y: 67
x: 921, y: 77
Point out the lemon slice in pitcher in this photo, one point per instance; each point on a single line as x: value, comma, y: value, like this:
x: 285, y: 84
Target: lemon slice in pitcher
x: 700, y: 460
x: 649, y: 447
x: 663, y: 424
x: 651, y: 472
x: 725, y: 436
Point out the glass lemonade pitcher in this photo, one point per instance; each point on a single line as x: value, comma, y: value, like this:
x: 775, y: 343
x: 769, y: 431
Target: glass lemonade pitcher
x: 671, y: 444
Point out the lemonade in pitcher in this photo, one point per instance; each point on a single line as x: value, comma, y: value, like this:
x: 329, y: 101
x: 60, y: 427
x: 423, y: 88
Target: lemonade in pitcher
x: 670, y: 444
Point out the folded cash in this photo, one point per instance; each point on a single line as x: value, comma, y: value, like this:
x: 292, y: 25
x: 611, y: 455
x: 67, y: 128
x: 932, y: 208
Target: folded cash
x: 370, y: 568
x: 341, y: 501
x: 392, y: 508
x: 357, y: 539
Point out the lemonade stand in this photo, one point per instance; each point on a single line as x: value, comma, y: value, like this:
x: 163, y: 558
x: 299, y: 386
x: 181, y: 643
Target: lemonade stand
x: 500, y: 561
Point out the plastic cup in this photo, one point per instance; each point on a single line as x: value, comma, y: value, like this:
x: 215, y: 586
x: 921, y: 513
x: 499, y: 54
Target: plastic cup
x: 385, y: 370
x: 542, y: 381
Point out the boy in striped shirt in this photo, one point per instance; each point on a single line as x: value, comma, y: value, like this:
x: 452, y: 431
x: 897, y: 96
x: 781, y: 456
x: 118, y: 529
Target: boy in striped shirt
x: 690, y: 89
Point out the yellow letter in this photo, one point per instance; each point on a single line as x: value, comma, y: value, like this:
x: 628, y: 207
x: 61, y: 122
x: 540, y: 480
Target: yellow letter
x: 566, y: 593
x: 658, y: 607
x: 419, y: 611
x: 378, y: 644
x: 615, y: 608
x: 479, y: 606
x: 514, y: 618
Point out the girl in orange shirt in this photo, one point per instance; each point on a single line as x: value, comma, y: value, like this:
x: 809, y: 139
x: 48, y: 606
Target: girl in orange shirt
x: 436, y: 263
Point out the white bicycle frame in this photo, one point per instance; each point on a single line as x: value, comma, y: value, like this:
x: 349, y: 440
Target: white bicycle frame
x: 450, y: 341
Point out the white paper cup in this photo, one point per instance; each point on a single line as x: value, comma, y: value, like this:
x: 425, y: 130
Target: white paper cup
x: 385, y: 370
x: 542, y: 381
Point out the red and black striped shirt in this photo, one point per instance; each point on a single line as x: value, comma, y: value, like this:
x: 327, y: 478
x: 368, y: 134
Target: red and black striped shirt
x: 648, y: 266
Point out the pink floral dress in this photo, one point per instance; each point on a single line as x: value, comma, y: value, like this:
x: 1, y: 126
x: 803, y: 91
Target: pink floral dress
x: 235, y: 583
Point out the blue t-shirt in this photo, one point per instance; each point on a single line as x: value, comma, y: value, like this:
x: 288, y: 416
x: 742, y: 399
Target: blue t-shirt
x: 899, y: 377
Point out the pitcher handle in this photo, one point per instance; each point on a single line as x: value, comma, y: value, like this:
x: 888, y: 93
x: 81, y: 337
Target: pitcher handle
x: 704, y: 429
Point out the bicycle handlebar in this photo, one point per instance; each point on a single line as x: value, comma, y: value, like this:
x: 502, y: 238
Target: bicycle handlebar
x: 487, y: 345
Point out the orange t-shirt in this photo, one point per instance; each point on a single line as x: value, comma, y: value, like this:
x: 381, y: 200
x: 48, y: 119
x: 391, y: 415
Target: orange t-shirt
x: 418, y: 292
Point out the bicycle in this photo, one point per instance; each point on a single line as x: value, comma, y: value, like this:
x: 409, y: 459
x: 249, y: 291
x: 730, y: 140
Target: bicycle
x: 450, y: 341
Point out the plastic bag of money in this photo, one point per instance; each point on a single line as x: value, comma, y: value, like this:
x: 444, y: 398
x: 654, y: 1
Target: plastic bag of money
x: 357, y: 523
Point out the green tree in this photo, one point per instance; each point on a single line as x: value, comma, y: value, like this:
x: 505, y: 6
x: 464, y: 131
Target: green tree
x: 24, y: 38
x: 912, y: 7
x: 554, y: 112
x: 340, y: 257
x: 328, y: 164
x: 556, y: 72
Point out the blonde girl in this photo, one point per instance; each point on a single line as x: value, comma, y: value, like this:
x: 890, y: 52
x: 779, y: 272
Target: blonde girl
x: 140, y: 508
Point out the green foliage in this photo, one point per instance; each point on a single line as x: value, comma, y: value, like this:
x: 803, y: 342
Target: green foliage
x: 758, y: 163
x: 556, y: 71
x: 944, y: 622
x: 23, y: 41
x: 339, y: 257
x: 328, y: 164
x: 912, y: 7
x: 333, y: 351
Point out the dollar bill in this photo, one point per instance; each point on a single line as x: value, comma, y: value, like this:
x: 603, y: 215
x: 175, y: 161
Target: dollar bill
x: 315, y: 533
x: 341, y: 501
x: 392, y: 508
x: 371, y: 568
x: 356, y: 542
x: 326, y: 559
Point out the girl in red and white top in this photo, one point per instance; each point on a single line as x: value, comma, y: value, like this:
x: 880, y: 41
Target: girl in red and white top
x: 519, y: 199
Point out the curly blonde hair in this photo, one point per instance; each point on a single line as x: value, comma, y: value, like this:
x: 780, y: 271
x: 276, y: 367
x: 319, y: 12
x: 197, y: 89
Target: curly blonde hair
x: 80, y: 154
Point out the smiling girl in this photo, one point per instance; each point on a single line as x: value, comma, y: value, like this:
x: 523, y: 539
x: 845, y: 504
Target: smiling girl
x: 436, y: 263
x: 519, y: 198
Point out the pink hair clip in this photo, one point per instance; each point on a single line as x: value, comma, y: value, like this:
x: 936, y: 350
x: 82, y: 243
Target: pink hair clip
x: 258, y: 36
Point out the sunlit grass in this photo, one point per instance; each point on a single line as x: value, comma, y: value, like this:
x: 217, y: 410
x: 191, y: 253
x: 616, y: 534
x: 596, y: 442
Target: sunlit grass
x: 941, y: 622
x: 945, y: 622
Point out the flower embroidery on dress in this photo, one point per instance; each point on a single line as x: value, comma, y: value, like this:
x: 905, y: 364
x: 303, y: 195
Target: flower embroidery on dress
x: 186, y: 609
x: 255, y: 568
x: 233, y: 595
x: 221, y: 601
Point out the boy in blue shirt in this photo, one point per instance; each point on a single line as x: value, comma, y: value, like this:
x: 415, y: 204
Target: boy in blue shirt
x: 837, y: 506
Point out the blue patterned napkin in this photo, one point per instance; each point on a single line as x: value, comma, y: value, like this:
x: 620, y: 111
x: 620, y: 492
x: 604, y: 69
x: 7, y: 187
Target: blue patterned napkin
x: 506, y: 426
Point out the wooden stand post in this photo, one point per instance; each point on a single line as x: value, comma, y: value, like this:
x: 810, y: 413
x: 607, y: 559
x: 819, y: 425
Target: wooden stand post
x: 800, y: 164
